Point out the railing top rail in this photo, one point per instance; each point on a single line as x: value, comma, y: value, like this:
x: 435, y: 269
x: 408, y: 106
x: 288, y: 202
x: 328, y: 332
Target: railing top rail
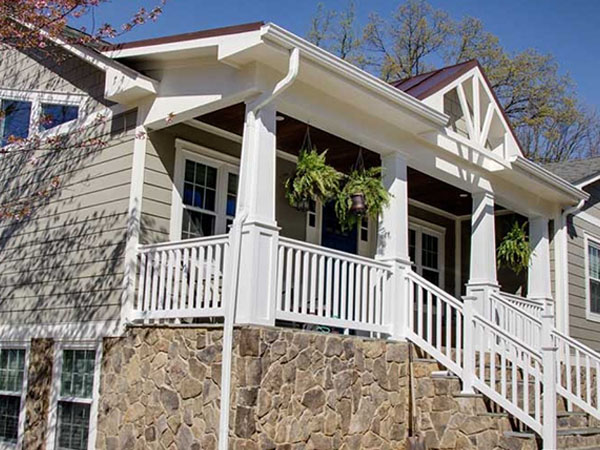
x: 507, y: 336
x: 518, y: 298
x: 499, y: 298
x: 187, y: 243
x: 575, y: 343
x: 300, y: 245
x: 436, y: 289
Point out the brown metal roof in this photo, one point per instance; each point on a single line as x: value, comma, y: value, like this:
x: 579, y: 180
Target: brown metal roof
x: 253, y: 26
x: 423, y: 85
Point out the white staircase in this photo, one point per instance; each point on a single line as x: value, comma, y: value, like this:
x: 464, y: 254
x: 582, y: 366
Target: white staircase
x: 511, y: 353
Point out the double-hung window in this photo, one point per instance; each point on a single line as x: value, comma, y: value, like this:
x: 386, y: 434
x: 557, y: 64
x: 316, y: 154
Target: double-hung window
x: 426, y: 246
x: 22, y: 114
x: 12, y: 395
x: 205, y: 195
x: 74, y: 403
x: 593, y: 277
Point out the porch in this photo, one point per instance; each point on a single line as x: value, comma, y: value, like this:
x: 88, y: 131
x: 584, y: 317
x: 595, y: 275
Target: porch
x: 299, y: 268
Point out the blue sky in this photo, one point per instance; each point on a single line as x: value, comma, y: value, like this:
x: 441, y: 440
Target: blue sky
x: 568, y: 29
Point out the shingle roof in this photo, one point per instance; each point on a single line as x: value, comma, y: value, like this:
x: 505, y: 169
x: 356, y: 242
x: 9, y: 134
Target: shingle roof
x: 577, y: 170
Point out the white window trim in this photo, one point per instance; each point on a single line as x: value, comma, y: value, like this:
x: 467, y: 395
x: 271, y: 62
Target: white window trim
x: 37, y: 98
x: 59, y: 346
x: 420, y: 226
x: 587, y: 239
x: 224, y: 164
x: 20, y: 345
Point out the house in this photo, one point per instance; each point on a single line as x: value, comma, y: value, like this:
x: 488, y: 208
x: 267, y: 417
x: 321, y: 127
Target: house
x: 582, y: 232
x: 152, y: 269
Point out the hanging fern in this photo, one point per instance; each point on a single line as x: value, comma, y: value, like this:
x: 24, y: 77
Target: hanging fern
x: 313, y: 179
x: 515, y: 251
x: 363, y: 181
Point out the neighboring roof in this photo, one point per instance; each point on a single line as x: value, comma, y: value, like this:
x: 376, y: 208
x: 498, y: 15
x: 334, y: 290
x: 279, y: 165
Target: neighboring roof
x: 578, y: 171
x: 253, y: 26
x: 423, y: 85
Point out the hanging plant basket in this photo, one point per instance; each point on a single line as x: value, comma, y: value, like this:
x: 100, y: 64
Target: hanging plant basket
x: 363, y: 194
x: 514, y: 252
x: 312, y: 180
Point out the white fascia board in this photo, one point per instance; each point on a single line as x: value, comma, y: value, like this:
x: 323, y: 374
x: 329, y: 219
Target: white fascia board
x: 283, y: 38
x: 531, y: 169
x: 123, y: 84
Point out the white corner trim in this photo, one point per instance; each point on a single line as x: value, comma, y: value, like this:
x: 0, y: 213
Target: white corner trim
x: 587, y: 239
x: 59, y: 346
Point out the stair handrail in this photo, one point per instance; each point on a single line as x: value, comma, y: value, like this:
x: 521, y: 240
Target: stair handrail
x: 531, y: 334
x: 575, y: 394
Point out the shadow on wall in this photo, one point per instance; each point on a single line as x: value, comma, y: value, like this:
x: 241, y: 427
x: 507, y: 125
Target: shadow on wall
x: 64, y: 225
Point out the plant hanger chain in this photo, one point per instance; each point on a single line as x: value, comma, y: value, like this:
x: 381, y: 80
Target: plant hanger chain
x: 306, y: 142
x: 359, y: 164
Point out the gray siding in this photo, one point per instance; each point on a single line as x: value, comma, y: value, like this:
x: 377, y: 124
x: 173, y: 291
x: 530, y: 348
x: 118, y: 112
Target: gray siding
x: 580, y: 327
x: 63, y: 260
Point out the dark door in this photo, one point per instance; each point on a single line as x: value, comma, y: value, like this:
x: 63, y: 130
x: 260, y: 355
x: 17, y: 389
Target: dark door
x: 332, y: 235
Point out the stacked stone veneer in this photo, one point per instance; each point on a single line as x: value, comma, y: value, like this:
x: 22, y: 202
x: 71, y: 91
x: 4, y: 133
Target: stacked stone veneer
x: 291, y: 389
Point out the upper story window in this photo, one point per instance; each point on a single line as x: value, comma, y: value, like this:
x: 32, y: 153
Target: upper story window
x: 14, y: 120
x: 593, y: 278
x: 54, y: 115
x: 22, y: 114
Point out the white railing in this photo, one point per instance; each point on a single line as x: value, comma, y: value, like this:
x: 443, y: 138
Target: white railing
x: 508, y: 372
x: 179, y: 280
x: 578, y: 368
x: 516, y: 321
x: 531, y: 306
x: 435, y: 322
x: 327, y: 287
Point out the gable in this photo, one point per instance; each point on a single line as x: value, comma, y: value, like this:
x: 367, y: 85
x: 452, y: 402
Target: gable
x: 464, y: 94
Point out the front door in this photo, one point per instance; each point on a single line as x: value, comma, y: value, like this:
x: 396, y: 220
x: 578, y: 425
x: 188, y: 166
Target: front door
x: 332, y: 235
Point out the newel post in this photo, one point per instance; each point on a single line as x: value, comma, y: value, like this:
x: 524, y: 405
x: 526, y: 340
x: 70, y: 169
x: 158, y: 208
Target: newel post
x: 468, y: 377
x: 549, y: 350
x: 392, y: 243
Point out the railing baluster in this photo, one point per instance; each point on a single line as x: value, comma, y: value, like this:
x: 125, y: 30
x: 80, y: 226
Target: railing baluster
x: 289, y: 258
x: 313, y: 283
x: 351, y: 290
x: 365, y: 294
x: 429, y: 317
x: 161, y: 285
x: 438, y: 322
x: 200, y: 278
x: 343, y: 298
x: 301, y: 284
x: 184, y: 278
x: 328, y: 287
x: 336, y: 289
x: 142, y: 283
x: 177, y: 280
x: 321, y: 294
x: 192, y: 293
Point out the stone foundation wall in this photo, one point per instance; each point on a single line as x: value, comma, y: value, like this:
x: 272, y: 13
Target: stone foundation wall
x: 291, y: 389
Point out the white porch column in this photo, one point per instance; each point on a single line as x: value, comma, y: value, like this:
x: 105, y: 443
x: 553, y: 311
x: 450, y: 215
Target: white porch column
x: 539, y: 285
x: 482, y: 273
x: 392, y: 240
x: 260, y: 234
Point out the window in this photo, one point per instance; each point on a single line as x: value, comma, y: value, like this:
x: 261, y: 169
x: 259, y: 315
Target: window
x: 425, y: 247
x: 15, y: 118
x: 74, y: 404
x: 54, y: 115
x: 12, y: 393
x: 593, y: 278
x: 205, y: 195
x: 23, y: 113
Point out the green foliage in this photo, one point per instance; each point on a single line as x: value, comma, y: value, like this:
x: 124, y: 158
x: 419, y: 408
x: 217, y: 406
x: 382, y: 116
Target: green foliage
x: 313, y: 179
x: 366, y: 182
x: 514, y: 252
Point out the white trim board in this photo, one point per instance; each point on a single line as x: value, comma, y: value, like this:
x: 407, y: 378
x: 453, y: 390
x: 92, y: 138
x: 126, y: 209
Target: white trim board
x: 79, y: 331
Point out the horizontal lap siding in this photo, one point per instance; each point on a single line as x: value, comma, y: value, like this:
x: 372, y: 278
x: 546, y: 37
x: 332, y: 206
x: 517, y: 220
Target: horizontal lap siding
x: 64, y: 262
x: 580, y: 327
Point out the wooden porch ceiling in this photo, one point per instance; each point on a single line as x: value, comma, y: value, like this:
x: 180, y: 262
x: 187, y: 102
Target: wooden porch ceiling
x: 342, y: 155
